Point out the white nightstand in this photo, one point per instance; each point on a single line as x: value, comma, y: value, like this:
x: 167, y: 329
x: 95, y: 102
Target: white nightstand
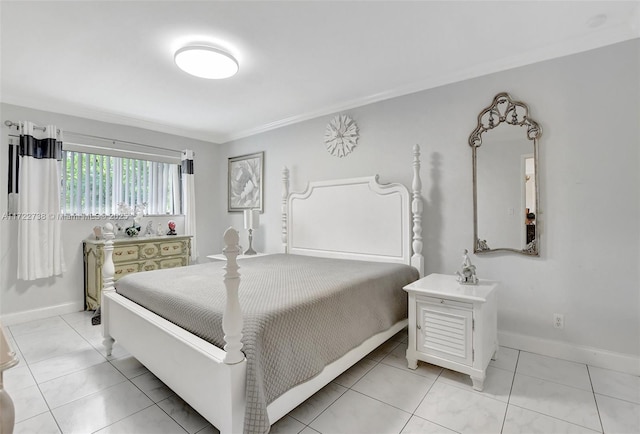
x: 221, y: 257
x: 453, y: 325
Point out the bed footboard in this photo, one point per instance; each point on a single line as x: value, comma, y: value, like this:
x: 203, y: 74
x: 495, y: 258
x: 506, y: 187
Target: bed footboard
x: 211, y: 380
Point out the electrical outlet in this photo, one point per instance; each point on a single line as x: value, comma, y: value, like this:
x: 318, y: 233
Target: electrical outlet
x: 558, y: 321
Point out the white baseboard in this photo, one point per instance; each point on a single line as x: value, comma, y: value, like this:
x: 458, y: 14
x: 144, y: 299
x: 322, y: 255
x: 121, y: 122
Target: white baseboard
x: 45, y: 312
x: 621, y: 362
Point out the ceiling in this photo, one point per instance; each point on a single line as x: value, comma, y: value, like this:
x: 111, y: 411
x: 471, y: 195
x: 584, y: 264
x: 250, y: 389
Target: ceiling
x: 113, y: 60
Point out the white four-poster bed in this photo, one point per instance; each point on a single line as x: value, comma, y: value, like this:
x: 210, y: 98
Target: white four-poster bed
x: 356, y: 219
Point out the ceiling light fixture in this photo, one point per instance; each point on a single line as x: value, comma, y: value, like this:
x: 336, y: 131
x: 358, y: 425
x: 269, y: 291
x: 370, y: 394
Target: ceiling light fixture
x: 206, y: 62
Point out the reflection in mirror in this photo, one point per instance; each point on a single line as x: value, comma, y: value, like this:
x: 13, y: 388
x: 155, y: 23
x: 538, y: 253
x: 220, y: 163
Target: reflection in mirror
x: 505, y: 178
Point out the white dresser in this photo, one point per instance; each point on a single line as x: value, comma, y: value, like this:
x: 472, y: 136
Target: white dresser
x: 131, y: 255
x: 453, y: 325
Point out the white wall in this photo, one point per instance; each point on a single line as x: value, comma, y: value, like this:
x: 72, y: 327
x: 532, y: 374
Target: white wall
x: 20, y: 300
x: 588, y: 107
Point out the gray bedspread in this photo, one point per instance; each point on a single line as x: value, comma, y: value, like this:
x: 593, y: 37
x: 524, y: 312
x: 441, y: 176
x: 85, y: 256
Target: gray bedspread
x: 300, y: 313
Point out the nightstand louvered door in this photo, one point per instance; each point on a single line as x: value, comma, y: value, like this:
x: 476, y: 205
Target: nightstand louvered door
x: 445, y: 329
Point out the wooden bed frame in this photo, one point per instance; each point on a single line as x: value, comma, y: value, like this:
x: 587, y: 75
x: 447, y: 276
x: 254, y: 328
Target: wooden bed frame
x: 379, y: 223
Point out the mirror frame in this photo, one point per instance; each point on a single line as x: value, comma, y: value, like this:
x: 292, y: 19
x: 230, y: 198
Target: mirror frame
x: 505, y: 110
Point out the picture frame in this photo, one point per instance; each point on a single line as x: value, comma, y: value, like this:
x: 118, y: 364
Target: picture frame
x: 245, y: 182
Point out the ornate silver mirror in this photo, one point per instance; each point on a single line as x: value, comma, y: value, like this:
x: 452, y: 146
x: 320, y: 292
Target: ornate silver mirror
x: 506, y: 199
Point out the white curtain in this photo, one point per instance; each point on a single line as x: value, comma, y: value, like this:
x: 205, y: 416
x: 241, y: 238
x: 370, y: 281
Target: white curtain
x: 39, y: 226
x: 189, y: 200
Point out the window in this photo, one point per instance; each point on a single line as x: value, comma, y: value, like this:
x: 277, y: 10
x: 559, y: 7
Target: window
x: 95, y: 184
x: 103, y: 180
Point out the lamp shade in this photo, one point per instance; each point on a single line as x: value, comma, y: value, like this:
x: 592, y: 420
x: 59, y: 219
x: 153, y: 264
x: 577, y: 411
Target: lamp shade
x: 251, y: 219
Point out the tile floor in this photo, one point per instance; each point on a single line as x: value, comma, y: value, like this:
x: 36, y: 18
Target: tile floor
x: 65, y: 383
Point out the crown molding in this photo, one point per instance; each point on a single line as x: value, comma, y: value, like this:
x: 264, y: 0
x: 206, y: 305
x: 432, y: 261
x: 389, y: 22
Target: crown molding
x: 597, y: 39
x: 111, y: 117
x: 565, y: 48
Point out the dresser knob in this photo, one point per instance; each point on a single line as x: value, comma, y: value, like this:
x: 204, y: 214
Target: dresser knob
x: 441, y: 301
x: 419, y: 328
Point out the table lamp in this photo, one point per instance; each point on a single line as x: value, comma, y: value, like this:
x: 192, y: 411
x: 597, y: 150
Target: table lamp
x: 250, y: 223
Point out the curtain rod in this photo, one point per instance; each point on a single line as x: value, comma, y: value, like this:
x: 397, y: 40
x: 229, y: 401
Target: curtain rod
x: 114, y: 141
x: 35, y: 127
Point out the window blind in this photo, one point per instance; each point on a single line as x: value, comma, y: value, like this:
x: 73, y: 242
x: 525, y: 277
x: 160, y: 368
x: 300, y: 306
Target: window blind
x: 94, y: 184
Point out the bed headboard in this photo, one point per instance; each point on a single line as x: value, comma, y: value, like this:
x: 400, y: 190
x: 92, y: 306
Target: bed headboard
x: 356, y: 218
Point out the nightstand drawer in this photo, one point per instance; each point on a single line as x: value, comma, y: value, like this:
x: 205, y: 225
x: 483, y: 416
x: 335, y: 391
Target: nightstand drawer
x: 445, y: 302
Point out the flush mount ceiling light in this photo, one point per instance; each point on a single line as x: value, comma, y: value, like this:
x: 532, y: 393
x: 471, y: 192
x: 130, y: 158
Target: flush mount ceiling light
x: 206, y: 62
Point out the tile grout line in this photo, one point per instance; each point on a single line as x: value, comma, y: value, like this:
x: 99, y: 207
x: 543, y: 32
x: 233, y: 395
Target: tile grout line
x: 377, y: 362
x: 513, y: 380
x: 28, y: 365
x: 127, y: 379
x: 75, y: 372
x: 342, y: 394
x: 424, y: 397
x: 555, y: 382
x: 595, y: 400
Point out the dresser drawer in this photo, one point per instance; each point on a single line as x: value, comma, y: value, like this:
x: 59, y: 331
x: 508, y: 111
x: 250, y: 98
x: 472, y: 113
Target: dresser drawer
x: 124, y: 269
x: 125, y: 253
x: 149, y: 266
x: 172, y: 248
x: 173, y: 262
x: 149, y: 250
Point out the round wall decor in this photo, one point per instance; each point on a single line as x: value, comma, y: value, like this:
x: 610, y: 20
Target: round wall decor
x: 341, y: 135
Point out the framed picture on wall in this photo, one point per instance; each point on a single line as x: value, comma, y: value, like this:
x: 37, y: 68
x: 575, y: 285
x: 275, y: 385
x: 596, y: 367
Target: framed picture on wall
x: 245, y: 182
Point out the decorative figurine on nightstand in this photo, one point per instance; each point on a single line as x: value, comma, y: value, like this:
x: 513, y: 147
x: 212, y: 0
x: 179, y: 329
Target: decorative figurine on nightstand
x: 97, y: 232
x: 172, y: 228
x: 149, y: 232
x: 467, y: 273
x: 132, y: 231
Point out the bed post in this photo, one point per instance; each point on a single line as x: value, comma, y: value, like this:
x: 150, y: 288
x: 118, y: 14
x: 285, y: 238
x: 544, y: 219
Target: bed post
x: 285, y: 196
x: 232, y: 317
x: 417, y: 260
x: 108, y: 271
